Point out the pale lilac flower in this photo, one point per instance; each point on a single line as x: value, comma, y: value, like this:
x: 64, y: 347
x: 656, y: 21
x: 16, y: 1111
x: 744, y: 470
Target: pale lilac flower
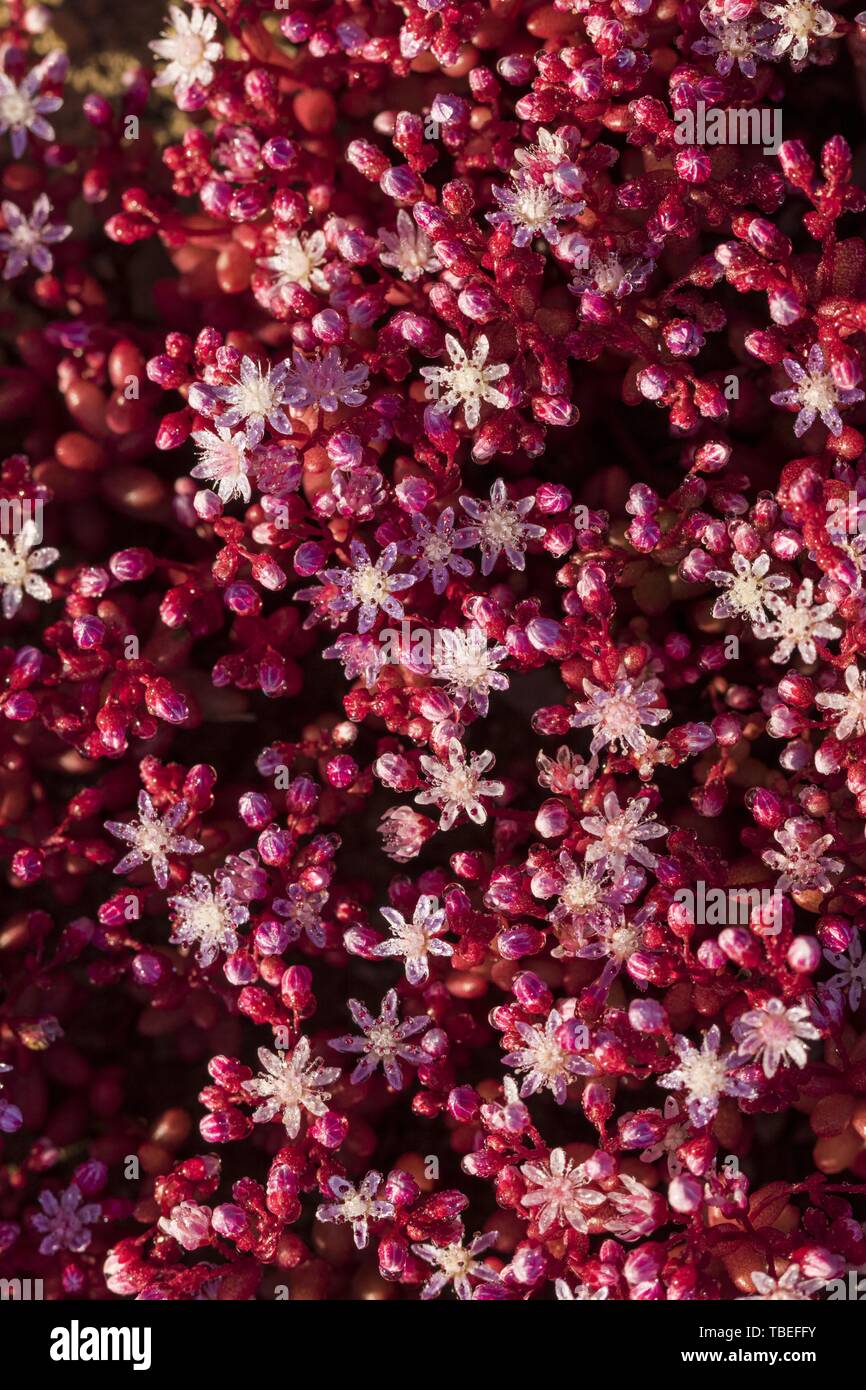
x: 367, y: 585
x: 748, y: 587
x: 545, y: 1061
x: 531, y: 209
x: 23, y: 108
x: 189, y: 49
x: 416, y: 940
x: 561, y: 1191
x: 500, y: 525
x: 189, y: 1224
x: 207, y: 917
x: 458, y: 785
x: 19, y: 569
x: 26, y: 239
x: 362, y: 655
x: 303, y: 911
x: 620, y: 834
x: 324, y: 382
x: 705, y: 1074
x: 617, y: 716
x: 297, y: 260
x: 434, y: 549
x: 796, y: 625
x: 464, y: 661
x: 153, y: 838
x: 358, y: 1206
x: 793, y: 1286
x: 11, y: 1118
x: 734, y: 42
x: 467, y: 381
x: 65, y: 1223
x: 603, y: 271
x: 814, y: 390
x: 586, y: 892
x: 384, y: 1041
x: 849, y: 709
x: 224, y: 460
x: 291, y: 1083
x: 456, y: 1264
x: 773, y: 1035
x: 409, y: 251
x: 852, y: 972
x: 254, y: 399
x: 801, y: 863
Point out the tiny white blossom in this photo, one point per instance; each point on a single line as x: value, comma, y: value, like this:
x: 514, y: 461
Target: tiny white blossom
x: 773, y: 1035
x: 189, y: 49
x: 796, y: 625
x: 561, y: 1191
x: 416, y: 940
x: 19, y: 569
x: 458, y: 785
x: 357, y: 1207
x: 581, y: 1293
x: 792, y: 1287
x: 815, y: 392
x: 26, y: 239
x: 297, y: 260
x: 254, y: 399
x: 532, y: 209
x: 467, y: 382
x: 617, y: 716
x: 795, y: 24
x: 153, y: 838
x: 409, y: 250
x: 207, y: 917
x: 545, y: 1061
x: 224, y: 460
x: 748, y: 587
x: 469, y: 667
x: 456, y: 1264
x: 850, y: 709
x: 500, y: 525
x: 620, y: 834
x: 291, y: 1083
x: 705, y: 1074
x: 851, y: 977
x: 801, y: 863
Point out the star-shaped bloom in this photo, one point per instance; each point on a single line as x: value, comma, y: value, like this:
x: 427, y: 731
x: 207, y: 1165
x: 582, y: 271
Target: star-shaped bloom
x: 358, y: 1207
x: 500, y: 525
x: 324, y: 382
x: 384, y: 1041
x: 26, y: 239
x: 795, y: 23
x: 409, y: 250
x: 464, y: 661
x: 303, y: 909
x: 468, y: 381
x: 434, y: 549
x: 796, y: 625
x: 416, y: 940
x: 849, y: 709
x: 617, y: 716
x: 65, y: 1224
x: 254, y: 399
x: 545, y: 1061
x: 561, y: 1192
x: 207, y: 916
x: 620, y: 834
x: 793, y: 1286
x: 532, y: 209
x: 851, y: 977
x: 748, y: 588
x: 734, y: 42
x: 801, y: 863
x: 189, y: 49
x: 774, y: 1035
x: 291, y: 1083
x: 581, y: 1293
x: 458, y: 785
x: 814, y: 390
x: 224, y: 460
x: 23, y: 108
x: 367, y: 585
x: 457, y: 1264
x: 705, y: 1074
x: 153, y: 838
x: 19, y: 569
x: 297, y: 260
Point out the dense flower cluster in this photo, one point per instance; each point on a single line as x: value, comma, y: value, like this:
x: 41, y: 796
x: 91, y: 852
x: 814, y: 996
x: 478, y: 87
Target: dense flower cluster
x: 432, y: 561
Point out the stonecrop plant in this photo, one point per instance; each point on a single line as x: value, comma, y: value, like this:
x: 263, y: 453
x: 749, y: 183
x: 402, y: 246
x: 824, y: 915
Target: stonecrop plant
x: 433, y: 560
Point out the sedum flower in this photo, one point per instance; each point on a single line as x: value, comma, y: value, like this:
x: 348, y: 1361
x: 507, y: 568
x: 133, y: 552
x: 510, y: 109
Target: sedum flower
x: 434, y: 549
x: 189, y: 1224
x: 464, y: 661
x: 748, y: 588
x: 23, y: 108
x: 152, y: 838
x: 814, y: 390
x: 20, y: 567
x: 581, y: 1293
x: 467, y: 381
x: 774, y: 1035
x: 458, y: 785
x: 849, y: 709
x: 384, y: 1042
x: 323, y: 382
x: 207, y: 916
x: 620, y: 834
x: 224, y: 460
x: 303, y: 910
x: 617, y: 716
x: 796, y: 625
x: 297, y: 260
x: 289, y: 1084
x: 531, y: 209
x: 26, y: 239
x: 254, y: 399
x: 409, y: 250
x: 189, y: 49
x: 500, y: 526
x: 545, y: 1061
x: 457, y: 1264
x: 367, y: 585
x: 559, y: 1193
x: 795, y: 23
x: 358, y: 1207
x: 65, y: 1224
x: 705, y: 1074
x: 415, y: 940
x: 801, y: 862
x: 11, y: 1118
x: 734, y: 42
x: 851, y: 976
x: 792, y: 1286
